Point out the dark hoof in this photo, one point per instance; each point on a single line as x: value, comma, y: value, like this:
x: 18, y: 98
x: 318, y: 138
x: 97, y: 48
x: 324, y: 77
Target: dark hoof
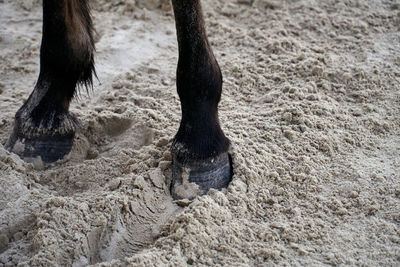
x: 49, y: 148
x: 197, y: 177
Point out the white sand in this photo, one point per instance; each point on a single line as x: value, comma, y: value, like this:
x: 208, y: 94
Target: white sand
x: 311, y: 103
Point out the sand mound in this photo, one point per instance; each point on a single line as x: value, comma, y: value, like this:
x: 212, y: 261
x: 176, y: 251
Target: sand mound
x: 311, y: 103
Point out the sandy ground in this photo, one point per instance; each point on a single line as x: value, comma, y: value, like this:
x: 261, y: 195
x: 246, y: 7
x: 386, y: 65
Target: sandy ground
x: 311, y: 103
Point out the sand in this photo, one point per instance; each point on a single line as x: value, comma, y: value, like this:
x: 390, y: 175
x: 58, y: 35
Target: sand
x: 311, y: 103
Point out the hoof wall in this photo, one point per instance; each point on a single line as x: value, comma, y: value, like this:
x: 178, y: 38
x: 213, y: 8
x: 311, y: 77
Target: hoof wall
x: 49, y: 148
x: 197, y: 177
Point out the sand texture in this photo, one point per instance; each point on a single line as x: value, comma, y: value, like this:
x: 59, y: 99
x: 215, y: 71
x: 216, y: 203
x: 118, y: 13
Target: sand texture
x: 311, y: 103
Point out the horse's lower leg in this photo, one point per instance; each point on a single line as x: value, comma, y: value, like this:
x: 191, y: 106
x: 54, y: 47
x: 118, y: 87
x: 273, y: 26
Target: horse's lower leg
x: 200, y: 147
x: 43, y: 125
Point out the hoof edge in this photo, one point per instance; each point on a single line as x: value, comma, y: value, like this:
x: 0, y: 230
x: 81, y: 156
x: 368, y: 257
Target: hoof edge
x: 197, y: 177
x: 48, y: 148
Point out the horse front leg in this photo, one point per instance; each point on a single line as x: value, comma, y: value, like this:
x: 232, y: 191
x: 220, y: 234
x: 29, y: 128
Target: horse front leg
x: 43, y: 125
x: 200, y: 148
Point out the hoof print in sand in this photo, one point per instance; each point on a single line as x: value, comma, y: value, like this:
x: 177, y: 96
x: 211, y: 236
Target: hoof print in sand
x: 114, y: 125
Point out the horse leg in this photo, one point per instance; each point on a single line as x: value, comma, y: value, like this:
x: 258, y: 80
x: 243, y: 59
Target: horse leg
x: 200, y: 147
x: 43, y: 125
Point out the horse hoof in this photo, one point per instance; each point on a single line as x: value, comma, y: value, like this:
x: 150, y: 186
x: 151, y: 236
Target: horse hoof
x: 49, y: 148
x: 197, y: 177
